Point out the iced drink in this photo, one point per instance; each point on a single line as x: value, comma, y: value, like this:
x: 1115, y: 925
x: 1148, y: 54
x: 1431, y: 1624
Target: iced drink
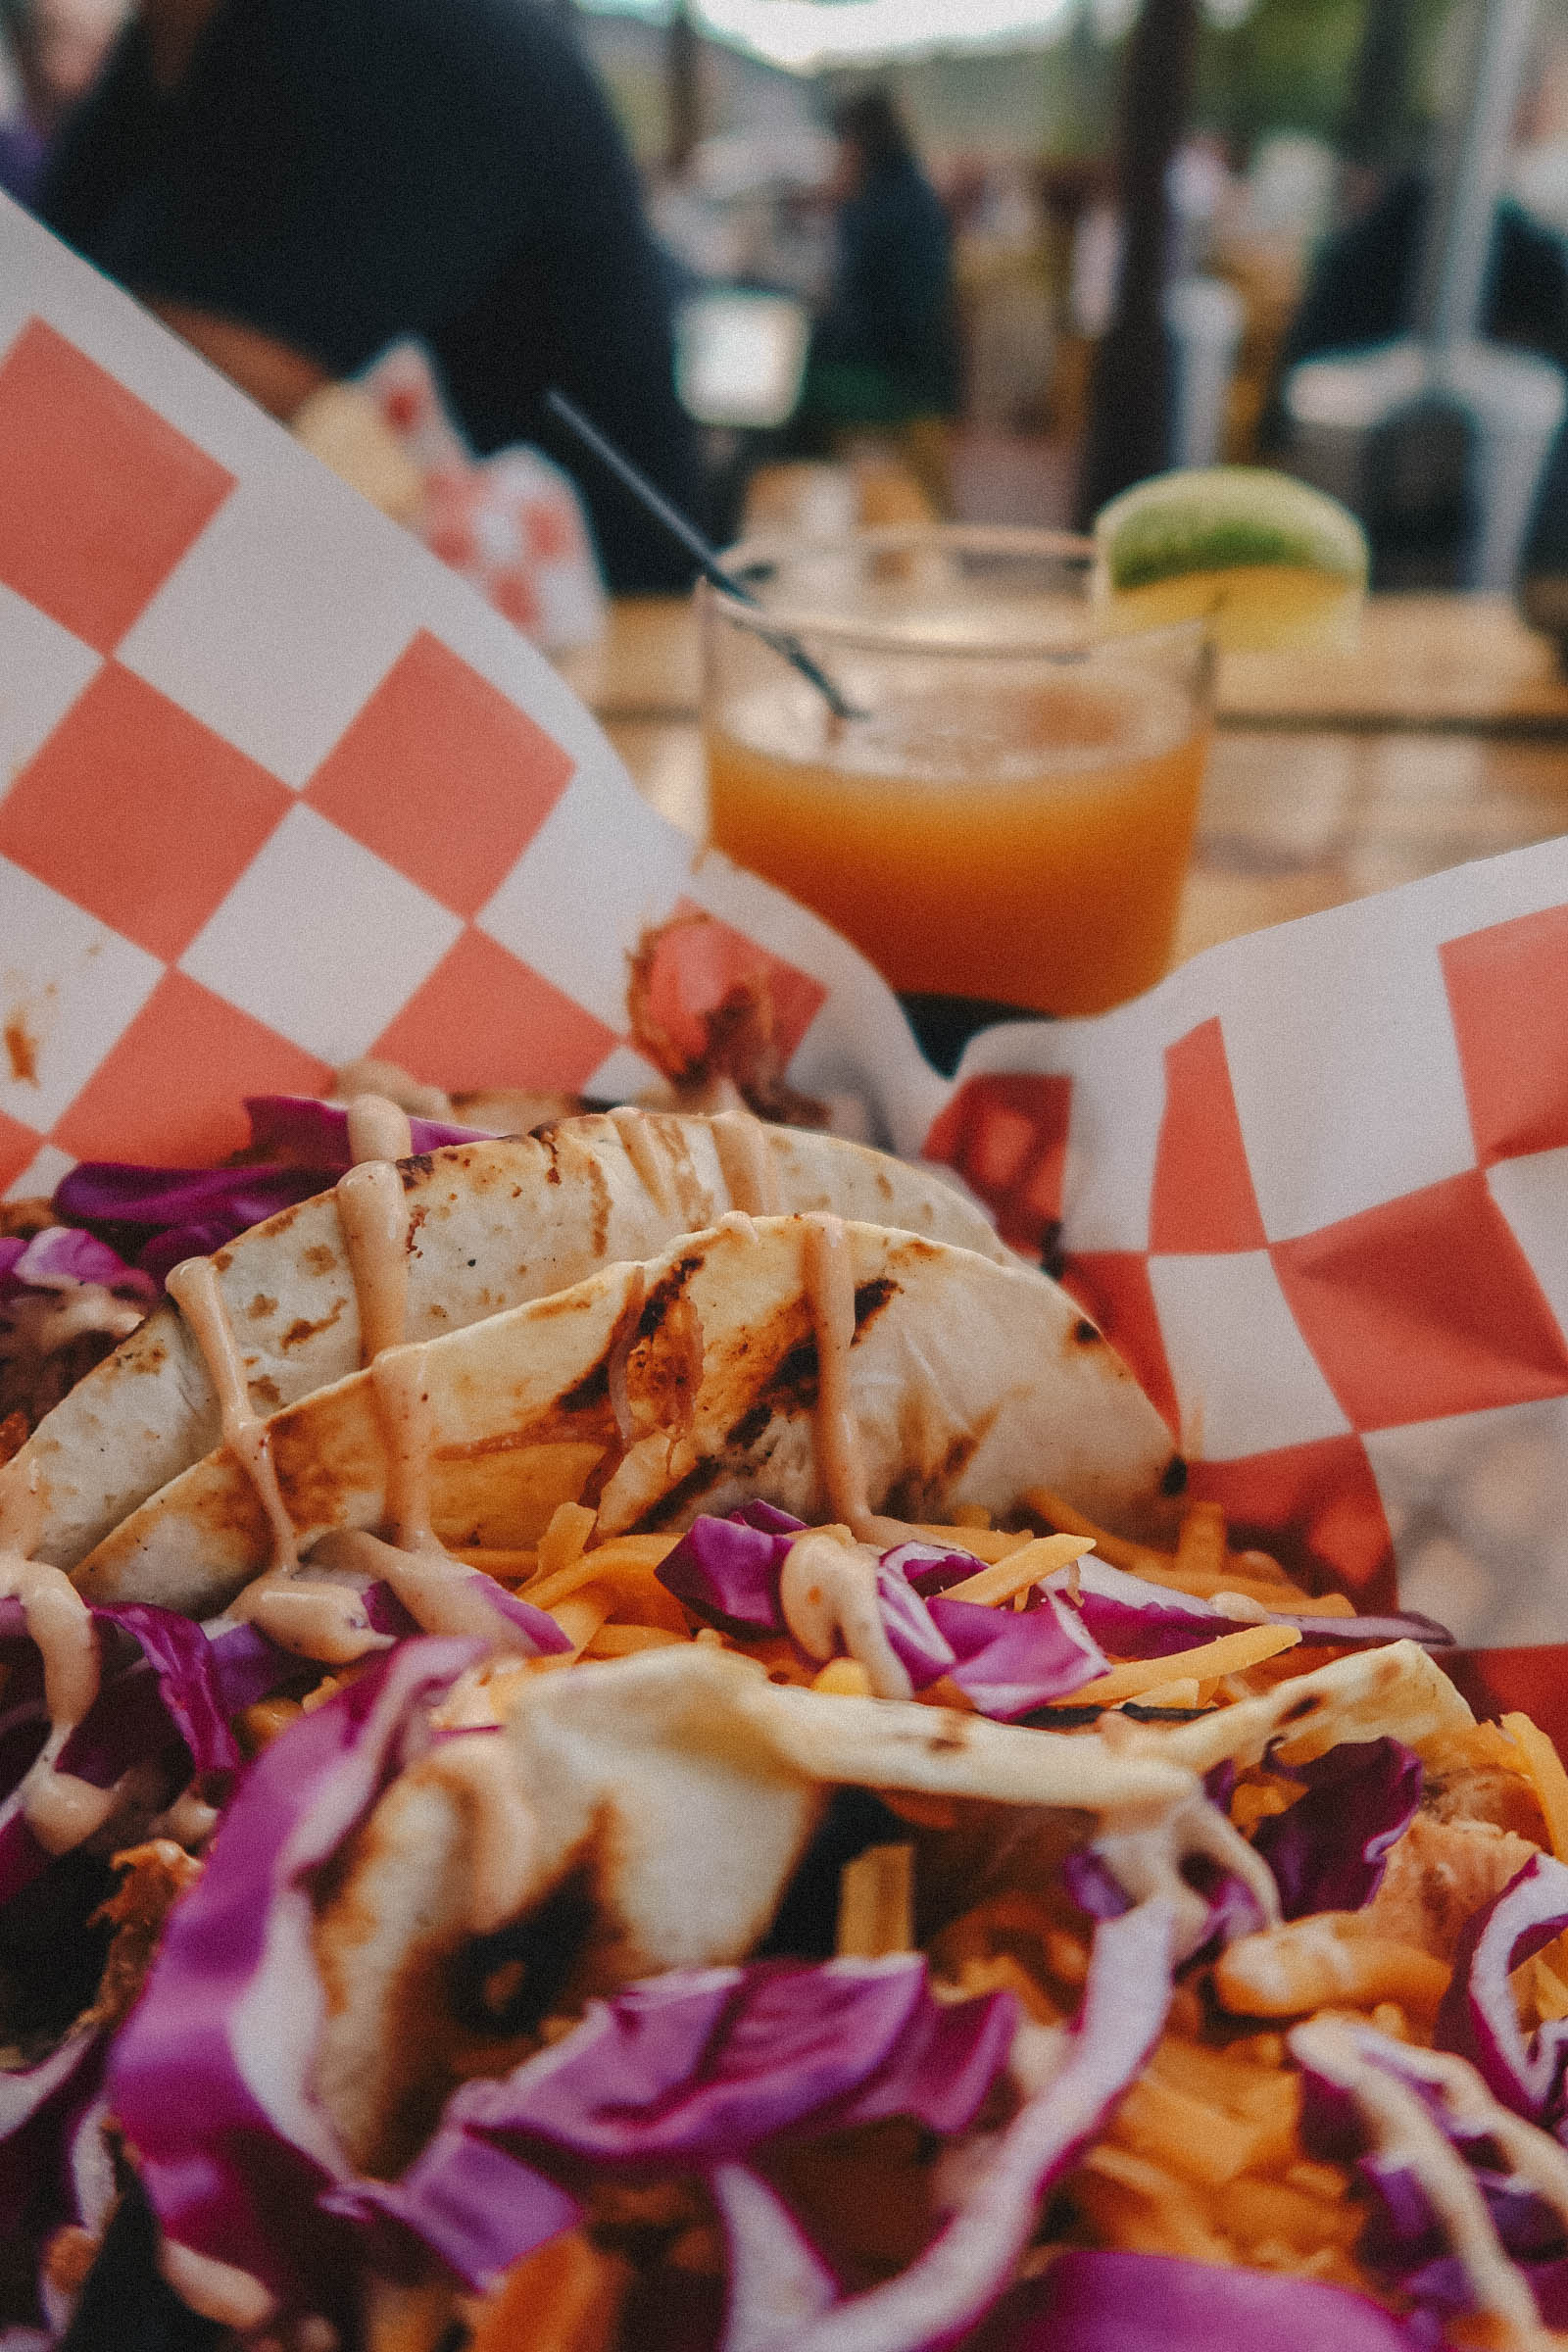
x: 1020, y: 842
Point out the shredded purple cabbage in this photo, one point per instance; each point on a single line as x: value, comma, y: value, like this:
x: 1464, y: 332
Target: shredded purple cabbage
x: 1006, y: 1661
x: 39, y: 2107
x: 1097, y: 2299
x: 226, y: 2135
x: 304, y: 1132
x: 1480, y: 2018
x: 1135, y: 1619
x: 191, y: 1212
x: 1405, y: 2240
x: 914, y: 1637
x: 783, y: 2298
x: 727, y: 1570
x: 931, y: 1567
x: 1329, y: 1850
x: 164, y: 1686
x: 688, y: 2071
x: 1010, y: 1661
x: 60, y: 1257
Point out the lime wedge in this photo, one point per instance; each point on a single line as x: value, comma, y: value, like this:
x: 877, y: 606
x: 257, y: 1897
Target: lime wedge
x: 1268, y: 562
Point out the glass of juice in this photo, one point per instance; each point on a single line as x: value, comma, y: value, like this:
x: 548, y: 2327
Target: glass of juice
x: 1007, y: 811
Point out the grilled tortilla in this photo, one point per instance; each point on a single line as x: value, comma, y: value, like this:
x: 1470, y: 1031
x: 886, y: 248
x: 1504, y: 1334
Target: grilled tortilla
x: 492, y: 1226
x: 687, y: 1385
x: 668, y: 1799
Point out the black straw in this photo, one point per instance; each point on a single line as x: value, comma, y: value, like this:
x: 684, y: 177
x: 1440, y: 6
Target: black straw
x: 654, y: 503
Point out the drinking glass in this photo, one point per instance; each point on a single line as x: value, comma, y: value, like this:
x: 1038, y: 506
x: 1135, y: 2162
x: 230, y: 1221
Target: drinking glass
x: 1006, y: 813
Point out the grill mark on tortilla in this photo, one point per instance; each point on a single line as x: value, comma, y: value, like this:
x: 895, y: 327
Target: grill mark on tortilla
x: 1085, y: 1334
x: 320, y: 1259
x: 545, y: 1946
x: 267, y: 1390
x: 743, y: 1435
x: 261, y: 1305
x: 300, y: 1328
x: 1173, y: 1477
x: 792, y: 1386
x: 870, y: 1297
x: 666, y: 1294
x: 665, y: 1372
x: 599, y: 1211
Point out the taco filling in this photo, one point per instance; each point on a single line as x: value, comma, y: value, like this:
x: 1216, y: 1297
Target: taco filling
x: 680, y: 1773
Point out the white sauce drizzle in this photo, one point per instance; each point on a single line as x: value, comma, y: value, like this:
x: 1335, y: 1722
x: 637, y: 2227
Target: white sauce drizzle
x: 373, y: 1214
x: 640, y: 1143
x: 216, y: 2290
x: 60, y: 1809
x: 378, y: 1129
x: 827, y: 1596
x: 318, y: 1621
x: 400, y: 1384
x: 446, y: 1595
x: 829, y: 1275
x: 1404, y: 2132
x: 746, y: 1160
x: 189, y: 1821
x: 1145, y: 1857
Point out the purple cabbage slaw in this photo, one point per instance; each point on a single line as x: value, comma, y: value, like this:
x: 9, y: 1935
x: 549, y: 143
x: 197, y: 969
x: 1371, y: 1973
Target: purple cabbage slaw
x: 1137, y: 1620
x: 1405, y: 2240
x: 1006, y: 1662
x: 301, y: 1146
x: 40, y: 2106
x: 784, y: 2298
x: 165, y: 1683
x: 1479, y: 2017
x: 207, y: 2077
x: 1099, y: 2299
x: 58, y: 1258
x: 1328, y: 1851
x: 686, y: 2072
x: 210, y: 2077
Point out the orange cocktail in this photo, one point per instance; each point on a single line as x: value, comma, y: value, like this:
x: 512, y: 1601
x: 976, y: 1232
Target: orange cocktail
x: 1010, y: 812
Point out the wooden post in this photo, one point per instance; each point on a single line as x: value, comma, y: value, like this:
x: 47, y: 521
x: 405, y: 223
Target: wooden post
x: 1129, y: 410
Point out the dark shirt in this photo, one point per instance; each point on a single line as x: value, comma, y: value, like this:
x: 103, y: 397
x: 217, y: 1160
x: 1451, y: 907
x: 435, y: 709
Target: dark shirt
x: 1367, y: 282
x: 338, y: 174
x: 890, y: 307
x: 23, y: 151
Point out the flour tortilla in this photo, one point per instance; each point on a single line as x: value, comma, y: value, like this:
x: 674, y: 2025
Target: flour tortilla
x: 494, y: 1224
x: 970, y: 1382
x: 671, y: 1796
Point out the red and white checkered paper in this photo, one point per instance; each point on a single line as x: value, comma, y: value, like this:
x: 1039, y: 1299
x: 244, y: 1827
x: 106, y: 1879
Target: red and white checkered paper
x: 277, y: 789
x: 283, y: 791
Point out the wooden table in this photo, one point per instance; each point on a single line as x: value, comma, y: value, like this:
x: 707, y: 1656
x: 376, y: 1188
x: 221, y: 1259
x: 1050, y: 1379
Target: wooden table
x: 1442, y: 737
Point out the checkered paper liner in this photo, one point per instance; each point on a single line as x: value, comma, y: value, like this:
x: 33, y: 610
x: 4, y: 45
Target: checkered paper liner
x: 283, y: 791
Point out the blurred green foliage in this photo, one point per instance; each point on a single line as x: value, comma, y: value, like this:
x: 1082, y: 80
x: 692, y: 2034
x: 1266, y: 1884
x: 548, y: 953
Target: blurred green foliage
x: 1295, y: 65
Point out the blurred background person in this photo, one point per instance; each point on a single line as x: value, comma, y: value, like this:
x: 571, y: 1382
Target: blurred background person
x: 293, y: 186
x: 54, y: 49
x: 884, y: 350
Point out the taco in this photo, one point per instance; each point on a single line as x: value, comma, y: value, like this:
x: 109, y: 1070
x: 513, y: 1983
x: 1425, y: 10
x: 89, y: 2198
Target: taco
x: 491, y: 1225
x: 658, y: 1391
x: 767, y: 1870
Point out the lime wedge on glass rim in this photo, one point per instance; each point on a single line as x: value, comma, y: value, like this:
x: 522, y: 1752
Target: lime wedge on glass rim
x: 1268, y: 562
